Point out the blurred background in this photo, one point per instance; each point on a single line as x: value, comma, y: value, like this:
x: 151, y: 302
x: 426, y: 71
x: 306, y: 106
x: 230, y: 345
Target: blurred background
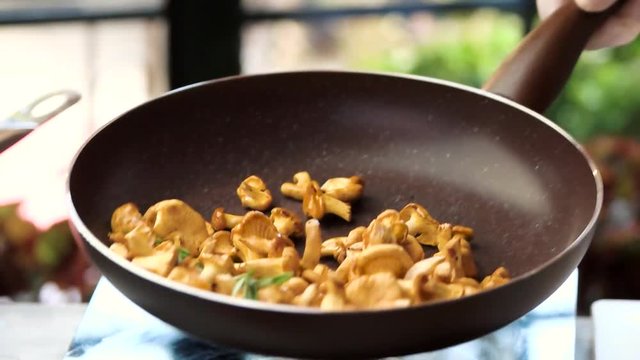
x: 119, y: 53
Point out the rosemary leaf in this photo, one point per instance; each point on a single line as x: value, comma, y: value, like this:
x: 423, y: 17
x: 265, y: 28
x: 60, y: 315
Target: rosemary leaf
x: 182, y: 255
x: 274, y: 280
x: 250, y: 285
x: 240, y: 281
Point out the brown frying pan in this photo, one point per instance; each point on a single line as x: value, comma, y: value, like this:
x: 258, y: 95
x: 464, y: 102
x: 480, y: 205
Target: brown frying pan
x: 471, y: 157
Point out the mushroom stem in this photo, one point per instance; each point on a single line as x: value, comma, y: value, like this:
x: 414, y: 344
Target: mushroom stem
x: 223, y: 221
x: 336, y: 207
x: 296, y: 189
x: 312, y: 246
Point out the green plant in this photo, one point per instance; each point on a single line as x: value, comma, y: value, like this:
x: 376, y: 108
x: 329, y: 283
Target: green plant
x: 601, y: 96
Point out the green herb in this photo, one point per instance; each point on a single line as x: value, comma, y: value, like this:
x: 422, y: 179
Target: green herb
x: 250, y: 285
x: 182, y: 255
x: 274, y: 280
x: 157, y: 241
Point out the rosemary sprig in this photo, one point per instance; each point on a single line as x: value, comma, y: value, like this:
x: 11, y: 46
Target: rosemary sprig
x: 182, y: 255
x: 250, y: 285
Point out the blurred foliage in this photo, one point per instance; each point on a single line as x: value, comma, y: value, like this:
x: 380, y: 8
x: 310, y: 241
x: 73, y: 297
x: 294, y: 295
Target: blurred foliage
x: 30, y: 257
x: 602, y: 95
x: 600, y: 98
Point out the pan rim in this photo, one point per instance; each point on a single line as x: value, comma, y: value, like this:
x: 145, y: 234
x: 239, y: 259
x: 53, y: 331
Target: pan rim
x: 100, y: 247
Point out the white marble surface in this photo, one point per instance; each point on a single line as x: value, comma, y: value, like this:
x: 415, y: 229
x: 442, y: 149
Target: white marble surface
x: 36, y: 331
x: 32, y: 331
x: 115, y: 328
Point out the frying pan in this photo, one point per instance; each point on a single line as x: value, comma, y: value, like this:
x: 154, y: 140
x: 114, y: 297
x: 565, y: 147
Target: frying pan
x: 470, y: 156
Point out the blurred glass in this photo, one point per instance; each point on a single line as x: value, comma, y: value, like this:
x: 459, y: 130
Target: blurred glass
x: 453, y: 46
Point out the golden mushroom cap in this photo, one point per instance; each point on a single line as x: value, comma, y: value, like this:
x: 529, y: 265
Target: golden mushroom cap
x: 218, y: 243
x: 125, y: 218
x: 286, y: 222
x: 344, y: 188
x: 161, y: 261
x: 254, y: 235
x: 420, y: 223
x: 175, y: 216
x: 253, y: 193
x: 389, y: 258
x: 386, y: 228
x: 380, y: 290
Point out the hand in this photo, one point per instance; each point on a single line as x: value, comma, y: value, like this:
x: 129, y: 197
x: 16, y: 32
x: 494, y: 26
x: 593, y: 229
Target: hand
x: 621, y: 28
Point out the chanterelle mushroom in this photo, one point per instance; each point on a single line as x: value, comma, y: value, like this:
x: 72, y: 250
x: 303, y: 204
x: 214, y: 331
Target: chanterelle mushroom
x: 499, y: 277
x: 346, y: 270
x: 380, y: 290
x: 335, y: 298
x: 346, y: 189
x: 420, y: 223
x: 256, y: 237
x: 173, y: 215
x: 310, y: 296
x: 294, y: 286
x: 218, y: 243
x: 287, y: 222
x: 464, y: 231
x: 190, y: 277
x: 140, y: 240
x: 221, y: 220
x: 389, y: 258
x: 253, y: 193
x: 214, y: 265
x: 387, y: 228
x: 297, y: 188
x: 312, y: 204
x: 120, y: 249
x: 413, y: 248
x: 424, y: 267
x: 161, y: 261
x: 125, y: 218
x: 459, y: 250
x: 313, y: 245
x: 335, y: 248
x: 319, y: 274
x: 315, y: 204
x: 288, y: 262
x: 435, y: 289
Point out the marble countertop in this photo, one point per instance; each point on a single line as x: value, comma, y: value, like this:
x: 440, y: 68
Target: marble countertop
x: 32, y: 331
x: 112, y: 327
x: 115, y: 328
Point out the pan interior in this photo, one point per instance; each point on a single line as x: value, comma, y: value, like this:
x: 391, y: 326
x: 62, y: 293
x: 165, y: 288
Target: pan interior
x: 526, y: 190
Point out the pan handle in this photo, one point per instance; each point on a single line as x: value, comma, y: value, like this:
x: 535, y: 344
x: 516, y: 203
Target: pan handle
x: 537, y: 70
